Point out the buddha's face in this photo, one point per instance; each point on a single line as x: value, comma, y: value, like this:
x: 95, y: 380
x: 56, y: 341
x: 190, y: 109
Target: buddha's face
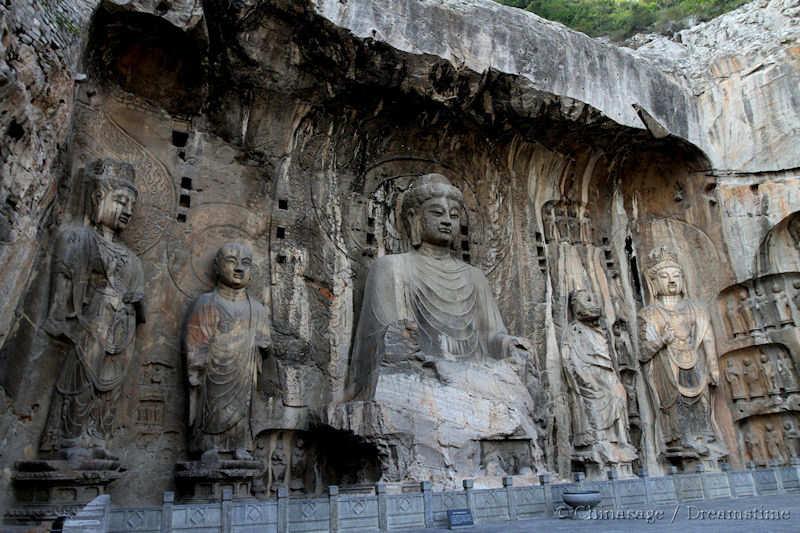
x: 669, y: 281
x: 440, y: 220
x: 114, y: 208
x: 234, y: 266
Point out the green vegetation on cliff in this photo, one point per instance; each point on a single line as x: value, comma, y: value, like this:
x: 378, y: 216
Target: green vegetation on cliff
x: 620, y: 19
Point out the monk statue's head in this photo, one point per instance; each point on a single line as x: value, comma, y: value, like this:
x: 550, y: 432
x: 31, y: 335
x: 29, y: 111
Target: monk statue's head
x: 112, y: 193
x: 665, y: 275
x: 431, y: 211
x: 233, y: 265
x: 584, y: 306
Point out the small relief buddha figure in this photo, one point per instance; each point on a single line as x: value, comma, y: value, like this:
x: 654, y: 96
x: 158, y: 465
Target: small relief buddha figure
x: 96, y: 302
x: 774, y: 442
x: 783, y: 310
x: 754, y: 447
x: 786, y: 374
x: 226, y: 333
x: 770, y: 375
x: 734, y: 379
x: 752, y: 377
x: 437, y: 306
x: 680, y: 359
x: 791, y: 436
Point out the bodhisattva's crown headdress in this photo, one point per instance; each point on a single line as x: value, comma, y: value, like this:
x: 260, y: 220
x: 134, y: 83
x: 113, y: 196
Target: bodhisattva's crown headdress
x: 661, y: 258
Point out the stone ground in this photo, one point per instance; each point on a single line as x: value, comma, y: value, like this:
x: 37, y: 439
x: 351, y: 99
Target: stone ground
x: 688, y: 518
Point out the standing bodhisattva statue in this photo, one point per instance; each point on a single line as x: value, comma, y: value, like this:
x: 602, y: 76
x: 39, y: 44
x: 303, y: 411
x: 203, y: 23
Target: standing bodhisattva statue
x: 444, y: 305
x: 96, y: 301
x: 225, y: 334
x: 677, y: 349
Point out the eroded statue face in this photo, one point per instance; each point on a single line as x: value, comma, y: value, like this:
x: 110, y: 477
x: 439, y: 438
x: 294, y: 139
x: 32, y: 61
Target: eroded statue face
x: 440, y: 220
x: 584, y: 307
x: 115, y: 208
x: 669, y: 281
x: 234, y: 265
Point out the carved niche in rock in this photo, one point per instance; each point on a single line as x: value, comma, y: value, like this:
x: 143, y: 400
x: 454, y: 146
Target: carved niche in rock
x: 680, y: 364
x: 761, y: 380
x: 95, y: 305
x: 225, y: 332
x: 760, y: 308
x: 771, y: 439
x: 597, y: 395
x: 432, y: 359
x: 566, y: 221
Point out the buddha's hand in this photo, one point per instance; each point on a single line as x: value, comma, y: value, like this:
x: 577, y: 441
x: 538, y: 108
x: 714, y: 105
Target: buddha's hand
x: 669, y: 335
x: 714, y: 377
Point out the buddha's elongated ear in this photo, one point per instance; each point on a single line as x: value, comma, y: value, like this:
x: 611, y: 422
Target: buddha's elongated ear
x: 414, y: 225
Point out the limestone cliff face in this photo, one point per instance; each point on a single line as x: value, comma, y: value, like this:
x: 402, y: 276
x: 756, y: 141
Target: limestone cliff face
x: 741, y: 72
x: 296, y: 125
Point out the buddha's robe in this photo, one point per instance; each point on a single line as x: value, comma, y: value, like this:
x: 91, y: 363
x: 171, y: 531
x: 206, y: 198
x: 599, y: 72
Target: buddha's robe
x: 598, y: 396
x: 679, y: 372
x: 449, y: 300
x: 95, y: 304
x: 223, y: 340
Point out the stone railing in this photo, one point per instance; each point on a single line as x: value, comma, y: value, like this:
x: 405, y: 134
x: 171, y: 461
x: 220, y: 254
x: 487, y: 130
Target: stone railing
x: 383, y: 511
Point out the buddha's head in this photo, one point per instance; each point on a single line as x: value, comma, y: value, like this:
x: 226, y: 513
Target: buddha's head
x: 583, y: 306
x: 113, y: 193
x: 432, y: 210
x: 665, y: 275
x: 233, y: 265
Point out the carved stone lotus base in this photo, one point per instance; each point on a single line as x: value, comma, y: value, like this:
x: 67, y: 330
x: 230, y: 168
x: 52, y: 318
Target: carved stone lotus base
x: 203, y: 481
x: 459, y: 420
x: 46, y: 489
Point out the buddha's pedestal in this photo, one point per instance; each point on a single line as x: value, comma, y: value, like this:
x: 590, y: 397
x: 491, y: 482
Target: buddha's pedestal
x: 447, y: 420
x: 603, y: 457
x: 204, y: 481
x: 49, y: 488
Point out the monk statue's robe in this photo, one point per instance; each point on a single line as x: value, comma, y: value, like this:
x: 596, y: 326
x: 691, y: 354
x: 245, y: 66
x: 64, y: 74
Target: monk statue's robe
x: 598, y: 396
x: 223, y: 340
x: 95, y: 304
x: 450, y: 302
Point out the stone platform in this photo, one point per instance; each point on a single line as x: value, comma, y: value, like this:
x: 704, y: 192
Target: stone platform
x: 202, y: 481
x: 388, y: 508
x: 47, y: 489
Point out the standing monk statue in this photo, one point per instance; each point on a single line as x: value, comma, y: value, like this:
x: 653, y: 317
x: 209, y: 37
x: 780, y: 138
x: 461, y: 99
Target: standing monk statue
x: 226, y: 333
x: 677, y: 349
x: 96, y: 301
x: 598, y: 399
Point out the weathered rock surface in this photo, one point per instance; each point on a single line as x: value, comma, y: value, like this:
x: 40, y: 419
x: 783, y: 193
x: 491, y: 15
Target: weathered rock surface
x: 295, y: 126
